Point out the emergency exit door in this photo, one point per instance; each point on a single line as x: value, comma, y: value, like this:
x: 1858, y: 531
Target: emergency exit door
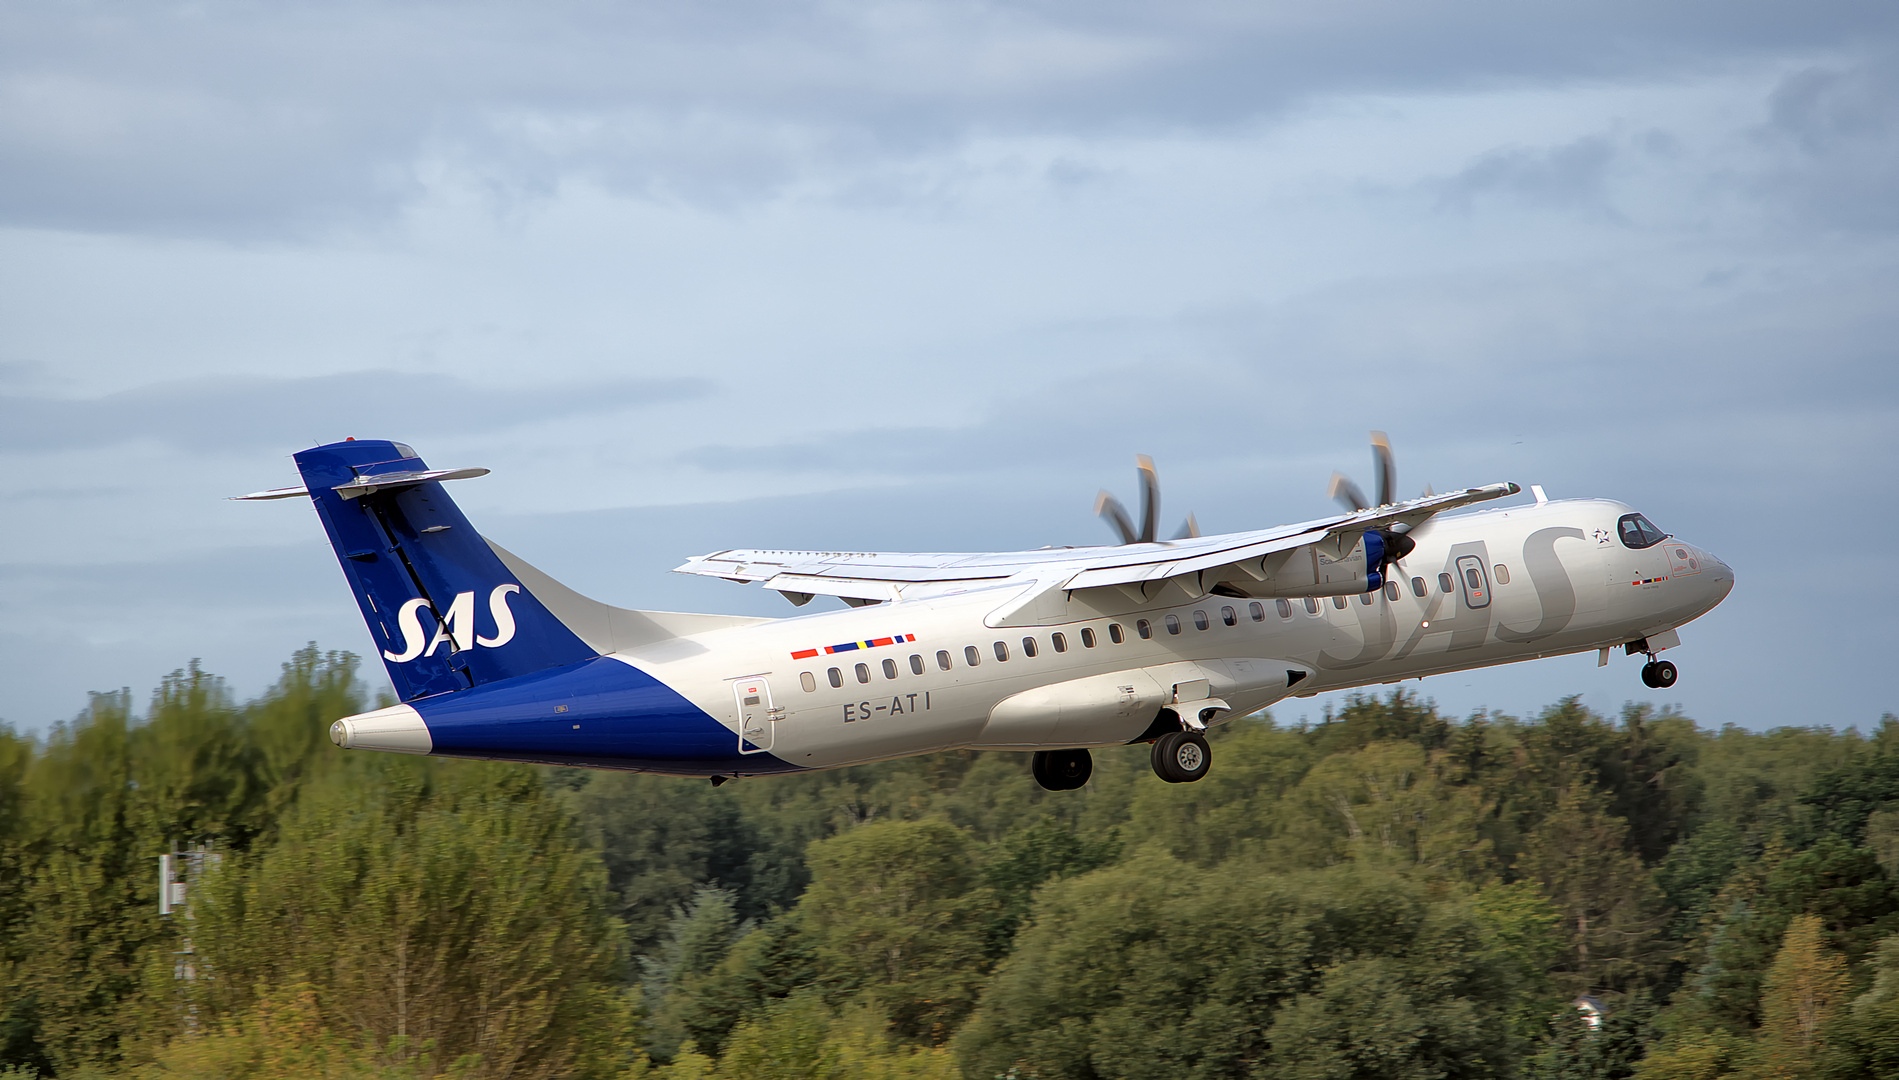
x: 758, y: 719
x: 1475, y: 581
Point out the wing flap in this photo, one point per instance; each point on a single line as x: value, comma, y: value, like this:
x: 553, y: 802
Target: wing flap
x: 867, y: 575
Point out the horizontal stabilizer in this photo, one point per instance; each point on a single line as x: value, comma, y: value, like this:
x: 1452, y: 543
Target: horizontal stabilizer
x: 365, y: 485
x: 273, y: 493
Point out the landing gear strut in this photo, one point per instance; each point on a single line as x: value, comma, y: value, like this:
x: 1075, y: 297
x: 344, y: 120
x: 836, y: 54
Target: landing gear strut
x: 1062, y: 770
x: 1658, y: 674
x: 1181, y: 757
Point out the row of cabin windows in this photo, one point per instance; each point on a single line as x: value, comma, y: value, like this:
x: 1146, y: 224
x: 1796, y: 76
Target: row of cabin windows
x: 971, y: 656
x: 1256, y: 611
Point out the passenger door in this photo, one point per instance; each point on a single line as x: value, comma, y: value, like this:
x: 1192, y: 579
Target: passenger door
x: 758, y: 720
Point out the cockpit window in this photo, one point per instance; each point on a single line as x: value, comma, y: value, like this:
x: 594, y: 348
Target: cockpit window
x: 1638, y: 532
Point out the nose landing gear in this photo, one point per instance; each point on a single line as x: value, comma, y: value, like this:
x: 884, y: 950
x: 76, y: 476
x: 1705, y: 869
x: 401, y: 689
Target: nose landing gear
x: 1658, y: 674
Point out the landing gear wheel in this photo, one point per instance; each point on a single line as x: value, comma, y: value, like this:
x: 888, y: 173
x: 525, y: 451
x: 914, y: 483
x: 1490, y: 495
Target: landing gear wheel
x: 1658, y: 674
x: 1181, y: 757
x: 1062, y: 770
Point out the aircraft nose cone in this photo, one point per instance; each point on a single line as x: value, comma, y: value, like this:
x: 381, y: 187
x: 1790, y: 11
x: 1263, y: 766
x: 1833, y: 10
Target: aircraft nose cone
x: 1720, y: 574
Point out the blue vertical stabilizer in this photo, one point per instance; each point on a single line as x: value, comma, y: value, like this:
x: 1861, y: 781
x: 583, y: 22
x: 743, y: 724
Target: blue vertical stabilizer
x: 445, y: 612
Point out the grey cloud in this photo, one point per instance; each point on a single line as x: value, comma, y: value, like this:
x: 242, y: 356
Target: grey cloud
x: 231, y: 119
x: 1572, y: 176
x: 224, y: 413
x: 1835, y: 145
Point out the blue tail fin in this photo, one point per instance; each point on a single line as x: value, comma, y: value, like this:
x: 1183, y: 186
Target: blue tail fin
x: 445, y: 612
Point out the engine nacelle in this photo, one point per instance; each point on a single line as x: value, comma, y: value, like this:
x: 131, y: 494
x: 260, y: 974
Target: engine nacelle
x: 1314, y: 571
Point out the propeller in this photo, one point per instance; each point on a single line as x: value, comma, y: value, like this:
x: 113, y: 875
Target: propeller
x: 1392, y: 544
x: 1348, y: 493
x: 1109, y: 507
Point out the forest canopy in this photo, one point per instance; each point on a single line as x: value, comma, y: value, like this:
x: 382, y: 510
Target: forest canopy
x: 1388, y: 893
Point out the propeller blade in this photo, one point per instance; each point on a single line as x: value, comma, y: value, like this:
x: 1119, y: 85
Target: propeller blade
x: 1386, y: 466
x: 1189, y: 529
x: 1150, y: 497
x: 1347, y: 492
x: 1109, y: 507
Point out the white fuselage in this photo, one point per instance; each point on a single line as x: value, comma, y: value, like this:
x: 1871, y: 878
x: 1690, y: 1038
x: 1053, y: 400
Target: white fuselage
x: 1490, y: 587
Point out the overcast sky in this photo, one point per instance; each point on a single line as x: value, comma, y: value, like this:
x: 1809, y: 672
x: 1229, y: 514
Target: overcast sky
x: 883, y: 275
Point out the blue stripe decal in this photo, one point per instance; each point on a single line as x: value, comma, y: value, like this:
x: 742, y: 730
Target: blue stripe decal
x: 599, y: 712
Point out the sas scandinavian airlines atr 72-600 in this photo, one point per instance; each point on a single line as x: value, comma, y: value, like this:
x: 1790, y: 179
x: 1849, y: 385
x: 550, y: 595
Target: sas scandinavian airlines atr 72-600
x: 1052, y: 651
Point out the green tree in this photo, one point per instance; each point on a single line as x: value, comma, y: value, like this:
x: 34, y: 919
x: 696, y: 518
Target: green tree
x: 699, y: 937
x: 1865, y: 1036
x: 1386, y: 801
x: 77, y: 958
x: 1611, y: 920
x: 1804, y: 986
x: 442, y: 905
x: 1027, y: 858
x: 1153, y: 967
x: 1844, y: 798
x: 1234, y: 809
x: 896, y: 910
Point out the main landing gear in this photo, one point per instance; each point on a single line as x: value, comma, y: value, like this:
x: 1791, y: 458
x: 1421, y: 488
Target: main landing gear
x: 1658, y: 674
x: 1181, y: 757
x: 1062, y: 770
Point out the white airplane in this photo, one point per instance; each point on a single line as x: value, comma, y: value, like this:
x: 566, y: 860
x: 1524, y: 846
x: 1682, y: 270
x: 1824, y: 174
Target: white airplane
x: 1052, y: 651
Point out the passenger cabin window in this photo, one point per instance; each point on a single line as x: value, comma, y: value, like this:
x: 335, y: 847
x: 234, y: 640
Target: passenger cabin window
x: 1285, y: 608
x: 890, y: 668
x: 1143, y: 628
x: 1173, y: 624
x: 1115, y: 634
x: 1417, y: 587
x: 836, y: 677
x: 943, y: 659
x: 1258, y: 610
x: 808, y: 681
x: 1028, y: 647
x: 1444, y: 583
x: 1200, y: 620
x: 1503, y: 574
x: 1365, y: 598
x: 1087, y: 637
x: 863, y: 673
x: 1637, y: 531
x: 971, y: 656
x: 916, y: 663
x: 1059, y: 642
x: 1002, y: 650
x: 1392, y: 592
x: 1312, y: 605
x: 1229, y: 616
x: 1338, y: 602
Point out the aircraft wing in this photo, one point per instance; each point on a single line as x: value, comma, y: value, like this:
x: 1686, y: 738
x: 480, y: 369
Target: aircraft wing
x: 1137, y: 569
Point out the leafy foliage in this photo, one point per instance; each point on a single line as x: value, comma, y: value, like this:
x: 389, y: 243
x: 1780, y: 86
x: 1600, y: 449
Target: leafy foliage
x: 1388, y: 893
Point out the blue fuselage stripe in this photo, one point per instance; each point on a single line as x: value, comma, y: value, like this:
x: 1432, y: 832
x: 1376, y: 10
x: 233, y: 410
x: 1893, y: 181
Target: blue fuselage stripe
x: 600, y: 712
